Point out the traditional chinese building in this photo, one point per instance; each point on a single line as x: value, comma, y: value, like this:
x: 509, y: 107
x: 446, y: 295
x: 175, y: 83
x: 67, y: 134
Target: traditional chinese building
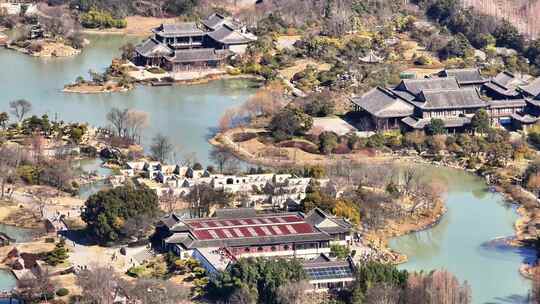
x: 453, y: 97
x: 243, y: 233
x: 191, y: 46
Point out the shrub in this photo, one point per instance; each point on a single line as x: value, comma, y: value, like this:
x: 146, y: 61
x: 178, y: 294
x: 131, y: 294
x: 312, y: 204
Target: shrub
x: 156, y: 70
x: 302, y: 145
x: 136, y: 271
x: 241, y: 137
x: 101, y: 19
x: 328, y: 141
x: 422, y: 60
x: 62, y: 292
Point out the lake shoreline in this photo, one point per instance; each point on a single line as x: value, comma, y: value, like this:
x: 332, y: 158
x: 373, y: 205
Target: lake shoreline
x: 225, y: 140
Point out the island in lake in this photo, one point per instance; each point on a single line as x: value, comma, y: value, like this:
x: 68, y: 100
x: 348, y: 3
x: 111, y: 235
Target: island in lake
x: 267, y: 153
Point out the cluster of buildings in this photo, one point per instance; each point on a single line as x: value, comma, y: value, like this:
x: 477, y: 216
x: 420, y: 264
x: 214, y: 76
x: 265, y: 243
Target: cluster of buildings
x: 218, y: 242
x: 453, y: 96
x: 263, y: 191
x: 191, y: 46
x: 14, y: 7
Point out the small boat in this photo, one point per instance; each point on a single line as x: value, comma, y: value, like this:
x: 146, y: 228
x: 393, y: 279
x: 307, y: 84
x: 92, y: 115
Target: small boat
x: 161, y: 84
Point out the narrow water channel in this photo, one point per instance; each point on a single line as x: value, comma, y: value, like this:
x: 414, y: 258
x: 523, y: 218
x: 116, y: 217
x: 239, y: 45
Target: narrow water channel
x: 463, y: 241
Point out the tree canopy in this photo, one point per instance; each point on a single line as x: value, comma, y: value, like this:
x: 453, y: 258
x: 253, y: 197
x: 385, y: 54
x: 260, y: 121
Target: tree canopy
x: 260, y: 278
x: 108, y: 212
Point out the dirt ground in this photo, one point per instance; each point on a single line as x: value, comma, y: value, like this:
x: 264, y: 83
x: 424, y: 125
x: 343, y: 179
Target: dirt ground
x: 256, y: 152
x: 136, y: 26
x: 55, y: 49
x: 93, y: 89
x: 301, y: 65
x: 141, y: 26
x: 287, y: 42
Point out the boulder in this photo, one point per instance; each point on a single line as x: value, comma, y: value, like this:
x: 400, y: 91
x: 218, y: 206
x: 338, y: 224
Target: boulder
x: 110, y: 153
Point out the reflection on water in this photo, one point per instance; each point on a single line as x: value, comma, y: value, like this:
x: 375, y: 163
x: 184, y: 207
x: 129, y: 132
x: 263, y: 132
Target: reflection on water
x: 462, y: 242
x: 17, y: 233
x: 187, y: 114
x: 87, y: 190
x: 7, y: 281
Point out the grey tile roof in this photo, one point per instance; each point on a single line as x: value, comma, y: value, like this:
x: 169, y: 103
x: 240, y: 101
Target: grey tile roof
x: 505, y: 83
x: 525, y: 118
x: 415, y: 86
x: 227, y: 35
x: 216, y: 20
x: 381, y: 102
x: 505, y: 79
x: 170, y: 220
x: 534, y: 102
x: 179, y: 30
x: 449, y: 99
x: 197, y: 55
x: 501, y: 90
x: 533, y: 88
x: 316, y: 216
x: 508, y: 103
x: 260, y: 240
x: 465, y: 76
x: 449, y: 122
x: 152, y: 48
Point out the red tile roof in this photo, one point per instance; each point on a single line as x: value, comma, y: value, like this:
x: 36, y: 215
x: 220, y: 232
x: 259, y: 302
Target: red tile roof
x: 261, y: 226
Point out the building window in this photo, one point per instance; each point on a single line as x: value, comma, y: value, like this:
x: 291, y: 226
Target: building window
x: 286, y: 247
x: 259, y: 249
x: 246, y: 249
x: 273, y: 248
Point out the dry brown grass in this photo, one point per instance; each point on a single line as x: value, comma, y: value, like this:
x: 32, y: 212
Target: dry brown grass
x: 141, y: 26
x: 301, y: 65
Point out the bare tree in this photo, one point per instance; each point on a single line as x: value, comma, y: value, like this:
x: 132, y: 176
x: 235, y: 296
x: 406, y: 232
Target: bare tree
x: 535, y: 288
x: 9, y: 161
x: 135, y: 122
x: 221, y: 157
x: 161, y: 148
x: 294, y: 293
x: 58, y: 173
x: 118, y: 119
x: 20, y: 108
x: 152, y: 291
x: 383, y: 294
x: 99, y: 284
x: 35, y: 290
x: 439, y: 286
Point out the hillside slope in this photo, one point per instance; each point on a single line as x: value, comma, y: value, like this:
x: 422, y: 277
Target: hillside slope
x: 524, y: 14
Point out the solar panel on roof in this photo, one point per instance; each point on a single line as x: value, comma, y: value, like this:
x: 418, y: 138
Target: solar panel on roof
x: 252, y: 231
x: 227, y: 233
x: 290, y: 229
x: 277, y: 230
x: 329, y: 273
x: 213, y: 234
x: 238, y: 232
x: 265, y: 230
